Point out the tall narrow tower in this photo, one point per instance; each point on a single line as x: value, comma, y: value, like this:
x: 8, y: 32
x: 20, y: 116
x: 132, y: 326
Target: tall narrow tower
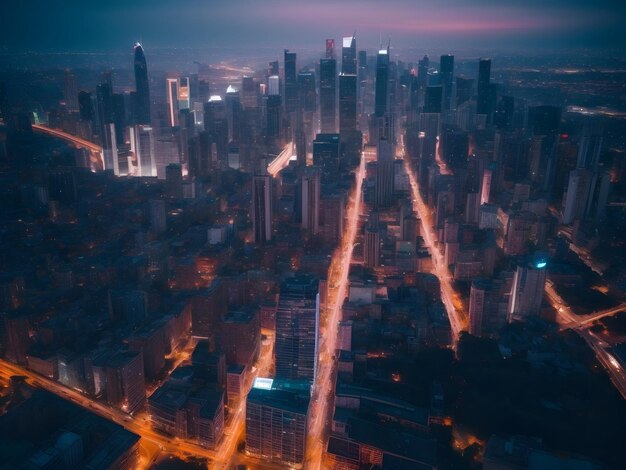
x: 142, y: 107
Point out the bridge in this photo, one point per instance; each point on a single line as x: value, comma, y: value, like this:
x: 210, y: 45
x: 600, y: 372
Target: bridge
x: 97, y: 161
x: 281, y: 161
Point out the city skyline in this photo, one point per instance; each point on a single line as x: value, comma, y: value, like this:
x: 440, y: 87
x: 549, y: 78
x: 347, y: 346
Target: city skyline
x: 308, y: 249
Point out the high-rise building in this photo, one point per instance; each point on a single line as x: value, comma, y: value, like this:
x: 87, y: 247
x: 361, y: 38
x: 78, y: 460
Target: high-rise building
x: 446, y: 72
x: 422, y: 71
x: 273, y: 117
x: 216, y: 126
x: 348, y: 56
x: 330, y: 48
x: 291, y: 82
x: 70, y: 91
x: 328, y: 87
x: 598, y: 196
x: 331, y: 217
x: 273, y: 85
x: 382, y: 83
x: 347, y: 103
x: 576, y: 196
x: 487, y: 306
x: 232, y: 102
x: 527, y: 292
x: 174, y: 181
x: 103, y: 109
x: 310, y: 199
x: 297, y: 323
x: 307, y: 91
x: 384, y: 174
x: 326, y: 151
x: 125, y: 381
x: 109, y: 148
x: 276, y: 419
x: 172, y: 101
x: 464, y: 88
x: 433, y: 99
x: 14, y: 336
x: 184, y: 99
x: 273, y: 68
x: 142, y: 105
x: 249, y: 93
x: 483, y: 87
x: 371, y: 249
x: 262, y: 208
x: 142, y: 145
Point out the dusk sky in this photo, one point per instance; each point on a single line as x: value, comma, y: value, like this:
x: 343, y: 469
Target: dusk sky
x: 83, y: 25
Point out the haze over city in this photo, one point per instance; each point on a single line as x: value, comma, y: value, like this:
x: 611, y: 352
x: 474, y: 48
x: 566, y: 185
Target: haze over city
x: 350, y: 235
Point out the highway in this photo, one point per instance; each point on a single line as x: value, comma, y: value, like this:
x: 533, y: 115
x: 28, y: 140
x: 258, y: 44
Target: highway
x: 458, y: 319
x: 568, y: 319
x: 321, y: 407
x: 97, y: 159
x: 281, y: 161
x: 612, y: 367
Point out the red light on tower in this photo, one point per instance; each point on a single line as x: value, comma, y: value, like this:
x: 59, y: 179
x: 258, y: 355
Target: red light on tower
x: 330, y: 48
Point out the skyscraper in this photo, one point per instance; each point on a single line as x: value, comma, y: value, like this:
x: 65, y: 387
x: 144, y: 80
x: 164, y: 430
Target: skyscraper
x: 307, y: 92
x: 487, y: 306
x: 330, y: 48
x: 382, y: 83
x: 172, y: 101
x: 446, y: 71
x: 183, y: 93
x: 576, y: 195
x: 483, y: 87
x: 291, y: 82
x: 142, y: 105
x: 262, y: 208
x: 371, y: 250
x: 297, y: 323
x: 328, y: 87
x: 310, y: 199
x: 433, y: 99
x: 70, y: 92
x: 273, y: 85
x: 347, y: 102
x: 348, y: 56
x: 142, y: 145
x: 384, y: 173
x: 326, y: 149
x: 527, y: 292
x: 273, y: 118
x: 216, y: 125
x: 276, y: 420
x: 422, y: 71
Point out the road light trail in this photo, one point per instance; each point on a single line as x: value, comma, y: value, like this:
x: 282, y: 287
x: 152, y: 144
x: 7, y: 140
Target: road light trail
x: 324, y: 387
x: 458, y: 320
x: 568, y: 319
x: 134, y: 424
x: 228, y: 446
x: 140, y: 424
x: 78, y: 142
x: 281, y: 161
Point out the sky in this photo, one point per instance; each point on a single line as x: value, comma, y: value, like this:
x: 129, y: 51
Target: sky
x: 111, y: 25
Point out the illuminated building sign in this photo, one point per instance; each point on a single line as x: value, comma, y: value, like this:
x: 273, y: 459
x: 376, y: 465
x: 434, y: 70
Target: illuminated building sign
x: 263, y: 383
